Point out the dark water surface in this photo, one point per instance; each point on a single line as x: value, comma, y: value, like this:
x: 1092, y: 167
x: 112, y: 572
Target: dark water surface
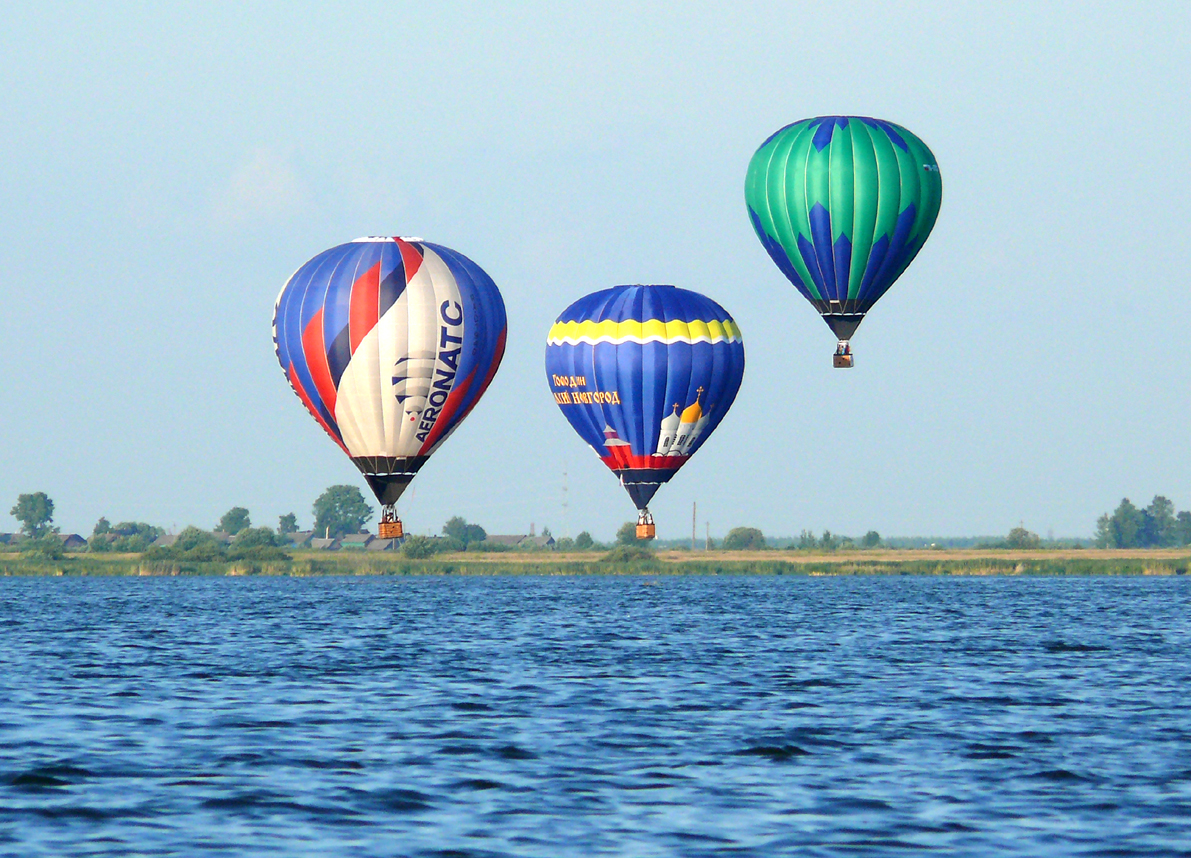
x: 595, y: 716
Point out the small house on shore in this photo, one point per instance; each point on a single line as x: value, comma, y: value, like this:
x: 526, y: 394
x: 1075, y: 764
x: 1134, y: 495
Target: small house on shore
x: 299, y: 538
x: 72, y: 541
x: 356, y: 541
x: 384, y: 545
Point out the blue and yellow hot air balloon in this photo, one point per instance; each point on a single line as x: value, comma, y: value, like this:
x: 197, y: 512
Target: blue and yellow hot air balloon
x: 644, y: 374
x: 843, y: 204
x: 389, y: 343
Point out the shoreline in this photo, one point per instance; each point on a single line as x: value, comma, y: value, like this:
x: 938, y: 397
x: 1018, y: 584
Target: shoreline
x: 880, y: 562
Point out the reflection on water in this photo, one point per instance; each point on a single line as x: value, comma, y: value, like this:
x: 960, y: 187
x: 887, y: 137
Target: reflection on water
x: 581, y: 716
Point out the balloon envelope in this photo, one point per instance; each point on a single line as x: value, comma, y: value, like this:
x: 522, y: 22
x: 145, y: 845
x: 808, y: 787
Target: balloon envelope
x: 389, y: 343
x: 843, y: 204
x: 644, y: 374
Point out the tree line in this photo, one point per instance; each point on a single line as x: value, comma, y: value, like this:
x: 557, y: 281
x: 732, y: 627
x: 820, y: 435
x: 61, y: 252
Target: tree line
x: 342, y: 510
x: 1158, y: 525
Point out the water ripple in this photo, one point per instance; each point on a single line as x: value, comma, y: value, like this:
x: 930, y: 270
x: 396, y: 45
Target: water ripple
x: 725, y: 715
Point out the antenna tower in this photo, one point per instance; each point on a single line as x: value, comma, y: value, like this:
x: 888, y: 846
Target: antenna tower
x: 566, y: 517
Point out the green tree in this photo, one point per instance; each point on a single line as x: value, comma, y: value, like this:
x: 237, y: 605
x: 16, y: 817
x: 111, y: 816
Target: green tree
x: 287, y: 524
x: 463, y: 533
x: 744, y: 539
x: 828, y: 541
x: 872, y: 539
x: 1159, y: 525
x: 339, y: 510
x: 564, y: 544
x: 1020, y: 538
x: 35, y: 512
x: 627, y: 533
x: 234, y: 520
x: 584, y: 542
x: 807, y: 541
x: 1122, y: 528
x: 101, y: 539
x: 1183, y: 528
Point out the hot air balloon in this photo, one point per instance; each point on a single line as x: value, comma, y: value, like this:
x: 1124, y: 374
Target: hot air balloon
x: 644, y: 374
x: 389, y: 343
x: 843, y: 204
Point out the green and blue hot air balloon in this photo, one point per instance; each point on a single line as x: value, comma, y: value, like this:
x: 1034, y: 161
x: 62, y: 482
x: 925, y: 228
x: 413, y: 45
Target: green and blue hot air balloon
x: 843, y: 204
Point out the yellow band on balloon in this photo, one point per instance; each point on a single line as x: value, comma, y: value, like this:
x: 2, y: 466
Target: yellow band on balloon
x: 651, y: 331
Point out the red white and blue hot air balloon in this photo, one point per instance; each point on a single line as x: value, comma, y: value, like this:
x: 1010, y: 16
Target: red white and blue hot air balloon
x: 389, y: 343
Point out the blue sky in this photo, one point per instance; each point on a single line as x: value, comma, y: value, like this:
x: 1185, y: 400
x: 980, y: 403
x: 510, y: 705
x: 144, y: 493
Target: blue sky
x: 166, y: 167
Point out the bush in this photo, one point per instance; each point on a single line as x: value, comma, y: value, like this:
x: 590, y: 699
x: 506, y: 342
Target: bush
x: 192, y: 544
x: 489, y: 547
x: 47, y: 547
x: 418, y: 547
x: 256, y: 543
x: 744, y: 539
x: 127, y: 537
x: 584, y: 542
x: 629, y: 554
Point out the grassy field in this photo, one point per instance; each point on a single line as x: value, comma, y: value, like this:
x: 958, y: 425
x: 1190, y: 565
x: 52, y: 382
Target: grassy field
x: 878, y: 562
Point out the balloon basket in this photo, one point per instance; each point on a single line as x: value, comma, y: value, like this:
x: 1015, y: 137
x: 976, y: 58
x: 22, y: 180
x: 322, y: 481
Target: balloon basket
x: 390, y: 530
x: 842, y: 361
x: 646, y: 531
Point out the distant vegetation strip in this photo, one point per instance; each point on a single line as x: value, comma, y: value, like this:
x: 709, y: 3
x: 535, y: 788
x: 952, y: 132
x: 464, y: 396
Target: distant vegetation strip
x: 617, y: 562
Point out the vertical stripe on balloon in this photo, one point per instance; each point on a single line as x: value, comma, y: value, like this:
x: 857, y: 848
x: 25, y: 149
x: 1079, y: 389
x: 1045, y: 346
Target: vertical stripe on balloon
x: 316, y: 361
x: 365, y: 303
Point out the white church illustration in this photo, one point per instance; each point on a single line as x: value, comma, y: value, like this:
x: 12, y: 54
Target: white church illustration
x: 679, y: 433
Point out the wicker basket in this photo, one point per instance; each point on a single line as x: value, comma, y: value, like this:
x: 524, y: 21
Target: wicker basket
x: 390, y: 530
x: 646, y: 531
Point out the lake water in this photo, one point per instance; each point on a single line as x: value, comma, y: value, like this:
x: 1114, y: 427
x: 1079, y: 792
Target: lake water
x: 595, y: 716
